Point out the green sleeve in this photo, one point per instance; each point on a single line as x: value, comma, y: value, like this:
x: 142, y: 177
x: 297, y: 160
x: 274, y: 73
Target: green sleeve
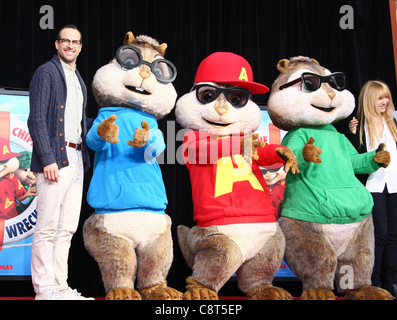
x: 362, y: 163
x: 295, y: 140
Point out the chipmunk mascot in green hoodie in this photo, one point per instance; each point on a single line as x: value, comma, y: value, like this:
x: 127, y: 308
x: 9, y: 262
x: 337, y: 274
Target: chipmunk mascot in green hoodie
x: 326, y: 212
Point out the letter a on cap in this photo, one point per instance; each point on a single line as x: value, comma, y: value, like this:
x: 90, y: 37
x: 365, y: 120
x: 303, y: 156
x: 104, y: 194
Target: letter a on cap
x: 5, y: 150
x: 243, y: 74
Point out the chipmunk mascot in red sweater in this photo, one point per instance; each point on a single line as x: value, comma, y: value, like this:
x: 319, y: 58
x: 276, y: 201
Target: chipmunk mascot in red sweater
x: 236, y: 232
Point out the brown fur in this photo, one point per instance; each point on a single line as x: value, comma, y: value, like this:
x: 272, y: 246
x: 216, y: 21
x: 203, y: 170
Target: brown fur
x: 120, y: 263
x: 288, y: 67
x: 141, y: 136
x: 382, y: 157
x: 312, y: 258
x: 144, y: 41
x: 108, y: 130
x: 311, y: 153
x: 214, y: 258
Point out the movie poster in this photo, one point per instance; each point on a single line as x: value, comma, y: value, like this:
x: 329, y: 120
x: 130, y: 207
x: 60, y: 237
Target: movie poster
x: 274, y: 175
x: 17, y: 208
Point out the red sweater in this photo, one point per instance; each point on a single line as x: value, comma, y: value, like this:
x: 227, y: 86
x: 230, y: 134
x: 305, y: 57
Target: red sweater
x: 10, y: 189
x: 225, y: 189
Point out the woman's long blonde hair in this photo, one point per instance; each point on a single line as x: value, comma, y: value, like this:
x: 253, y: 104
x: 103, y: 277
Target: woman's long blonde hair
x: 368, y: 110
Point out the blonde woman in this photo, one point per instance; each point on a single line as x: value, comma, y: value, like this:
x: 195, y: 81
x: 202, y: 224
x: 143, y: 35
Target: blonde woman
x: 375, y: 124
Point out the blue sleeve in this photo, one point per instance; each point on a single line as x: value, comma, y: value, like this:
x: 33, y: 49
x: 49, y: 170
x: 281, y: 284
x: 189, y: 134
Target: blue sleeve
x: 94, y: 141
x: 155, y: 145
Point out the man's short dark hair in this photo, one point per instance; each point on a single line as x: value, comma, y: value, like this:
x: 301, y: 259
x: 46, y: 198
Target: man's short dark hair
x: 68, y: 26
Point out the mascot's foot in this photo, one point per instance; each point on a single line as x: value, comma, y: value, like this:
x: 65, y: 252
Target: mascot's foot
x: 123, y: 294
x: 161, y: 292
x: 318, y: 294
x: 196, y: 291
x: 369, y: 293
x: 268, y: 292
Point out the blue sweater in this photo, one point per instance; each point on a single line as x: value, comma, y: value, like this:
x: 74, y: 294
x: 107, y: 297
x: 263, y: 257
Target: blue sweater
x: 126, y: 178
x: 47, y: 111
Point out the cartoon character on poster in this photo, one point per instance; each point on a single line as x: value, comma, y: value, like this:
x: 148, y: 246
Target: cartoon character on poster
x: 274, y: 176
x: 17, y: 186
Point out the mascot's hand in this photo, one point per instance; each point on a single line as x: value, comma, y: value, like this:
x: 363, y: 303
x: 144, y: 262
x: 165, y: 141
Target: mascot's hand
x: 249, y: 144
x: 108, y: 130
x: 382, y: 156
x: 141, y: 136
x: 291, y: 163
x: 311, y: 153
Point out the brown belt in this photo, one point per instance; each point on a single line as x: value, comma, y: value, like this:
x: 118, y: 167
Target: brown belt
x: 73, y: 145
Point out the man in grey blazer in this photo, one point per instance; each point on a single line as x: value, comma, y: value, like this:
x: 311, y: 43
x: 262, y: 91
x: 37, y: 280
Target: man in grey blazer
x: 58, y: 126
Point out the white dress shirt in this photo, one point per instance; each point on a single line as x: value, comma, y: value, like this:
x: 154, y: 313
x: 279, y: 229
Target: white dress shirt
x: 384, y: 176
x: 74, y: 105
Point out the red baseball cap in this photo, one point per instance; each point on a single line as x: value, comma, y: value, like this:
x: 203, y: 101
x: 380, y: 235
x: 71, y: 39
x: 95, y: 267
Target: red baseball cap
x: 228, y: 68
x: 5, y: 150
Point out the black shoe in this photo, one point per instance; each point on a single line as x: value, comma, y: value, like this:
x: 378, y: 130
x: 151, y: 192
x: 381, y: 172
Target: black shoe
x: 392, y: 288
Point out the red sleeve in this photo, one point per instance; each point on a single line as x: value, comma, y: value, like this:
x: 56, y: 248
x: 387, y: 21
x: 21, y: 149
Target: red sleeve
x: 19, y: 188
x: 203, y: 148
x: 268, y: 155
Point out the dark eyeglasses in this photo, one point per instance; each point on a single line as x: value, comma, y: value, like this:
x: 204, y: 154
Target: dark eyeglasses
x: 312, y: 81
x: 238, y: 97
x: 67, y: 42
x: 130, y: 57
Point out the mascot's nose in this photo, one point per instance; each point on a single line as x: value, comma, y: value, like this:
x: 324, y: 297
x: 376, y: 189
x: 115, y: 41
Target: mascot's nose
x: 144, y: 72
x: 331, y: 94
x: 221, y: 106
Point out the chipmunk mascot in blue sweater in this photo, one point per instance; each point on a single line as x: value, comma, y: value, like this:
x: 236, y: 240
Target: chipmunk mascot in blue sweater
x: 326, y: 212
x: 129, y: 235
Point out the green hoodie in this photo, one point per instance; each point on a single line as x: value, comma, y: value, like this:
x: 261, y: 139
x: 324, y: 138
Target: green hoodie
x: 327, y: 192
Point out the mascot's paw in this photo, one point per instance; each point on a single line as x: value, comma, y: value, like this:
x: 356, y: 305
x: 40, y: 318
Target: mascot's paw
x: 123, y: 294
x: 268, y: 292
x: 382, y: 156
x: 196, y: 291
x: 369, y: 293
x: 141, y: 136
x: 318, y: 294
x: 161, y: 292
x: 291, y: 163
x: 200, y: 294
x: 249, y: 144
x: 108, y: 130
x: 311, y: 153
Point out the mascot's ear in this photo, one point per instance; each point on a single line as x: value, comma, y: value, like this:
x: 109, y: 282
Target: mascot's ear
x: 129, y: 38
x: 283, y: 65
x: 162, y: 48
x: 315, y: 61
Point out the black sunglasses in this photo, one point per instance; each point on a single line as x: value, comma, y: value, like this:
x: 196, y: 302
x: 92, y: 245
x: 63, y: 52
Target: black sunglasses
x: 312, y: 81
x: 130, y: 57
x: 238, y: 97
